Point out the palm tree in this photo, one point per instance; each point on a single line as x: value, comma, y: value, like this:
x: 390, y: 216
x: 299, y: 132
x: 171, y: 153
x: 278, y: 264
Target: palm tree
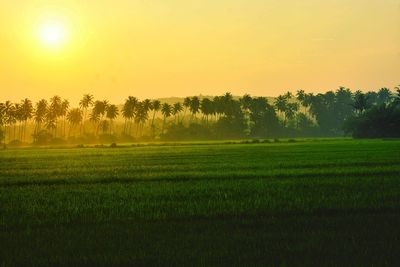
x: 281, y: 105
x: 207, y: 108
x: 9, y: 119
x: 155, y: 106
x: 186, y: 103
x: 194, y: 106
x: 2, y: 123
x: 141, y: 117
x: 397, y: 97
x: 50, y: 120
x: 218, y: 106
x: 176, y: 109
x: 301, y: 97
x: 128, y: 112
x: 99, y: 111
x: 112, y: 113
x: 147, y: 104
x: 74, y: 118
x: 384, y: 95
x: 63, y: 113
x: 95, y: 120
x: 360, y: 102
x: 291, y: 110
x: 246, y: 101
x: 85, y: 103
x: 166, y: 110
x: 54, y: 110
x: 40, y: 114
x: 288, y: 95
x: 18, y: 115
x: 27, y: 112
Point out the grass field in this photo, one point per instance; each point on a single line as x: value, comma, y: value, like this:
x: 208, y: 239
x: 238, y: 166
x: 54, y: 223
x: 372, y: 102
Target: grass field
x: 325, y: 203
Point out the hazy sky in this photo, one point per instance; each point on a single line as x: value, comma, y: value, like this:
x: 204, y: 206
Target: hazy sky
x: 157, y: 48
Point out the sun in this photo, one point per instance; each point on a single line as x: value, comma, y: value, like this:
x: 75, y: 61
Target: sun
x: 52, y: 34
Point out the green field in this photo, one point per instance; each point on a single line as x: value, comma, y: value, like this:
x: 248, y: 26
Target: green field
x: 321, y: 202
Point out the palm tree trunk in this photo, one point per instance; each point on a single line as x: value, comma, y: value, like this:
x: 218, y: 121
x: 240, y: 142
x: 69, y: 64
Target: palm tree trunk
x: 184, y: 114
x: 162, y: 130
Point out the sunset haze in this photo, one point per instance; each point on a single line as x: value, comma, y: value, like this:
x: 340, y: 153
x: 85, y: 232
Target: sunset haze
x: 151, y: 49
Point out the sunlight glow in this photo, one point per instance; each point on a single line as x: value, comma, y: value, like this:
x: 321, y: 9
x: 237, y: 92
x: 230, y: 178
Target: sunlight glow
x: 52, y: 34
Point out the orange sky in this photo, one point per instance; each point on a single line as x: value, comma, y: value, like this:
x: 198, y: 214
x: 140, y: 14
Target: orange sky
x: 165, y: 48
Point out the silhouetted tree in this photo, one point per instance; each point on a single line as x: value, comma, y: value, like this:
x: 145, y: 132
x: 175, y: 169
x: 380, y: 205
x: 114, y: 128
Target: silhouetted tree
x: 156, y: 106
x: 128, y: 112
x: 194, y: 107
x: 111, y: 114
x: 360, y: 102
x: 186, y: 104
x: 40, y: 114
x: 166, y: 110
x: 85, y: 103
x: 74, y: 118
x: 176, y: 109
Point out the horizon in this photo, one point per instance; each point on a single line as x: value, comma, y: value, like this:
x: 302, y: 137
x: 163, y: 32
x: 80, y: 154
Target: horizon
x: 75, y: 102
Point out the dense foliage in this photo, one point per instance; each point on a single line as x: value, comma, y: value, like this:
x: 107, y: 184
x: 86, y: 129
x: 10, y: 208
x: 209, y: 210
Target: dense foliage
x: 334, y: 113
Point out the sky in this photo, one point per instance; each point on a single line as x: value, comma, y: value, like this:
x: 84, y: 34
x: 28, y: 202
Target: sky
x: 163, y: 48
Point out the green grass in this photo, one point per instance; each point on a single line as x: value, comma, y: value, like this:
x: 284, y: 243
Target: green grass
x: 324, y: 202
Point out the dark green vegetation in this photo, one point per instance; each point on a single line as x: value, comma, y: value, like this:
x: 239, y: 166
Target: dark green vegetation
x: 332, y: 114
x: 325, y: 202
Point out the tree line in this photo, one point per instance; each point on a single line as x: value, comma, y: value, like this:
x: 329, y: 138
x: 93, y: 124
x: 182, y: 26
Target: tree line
x: 334, y: 113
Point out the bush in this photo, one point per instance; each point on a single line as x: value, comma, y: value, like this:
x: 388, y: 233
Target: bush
x: 42, y: 138
x: 15, y: 143
x: 107, y: 138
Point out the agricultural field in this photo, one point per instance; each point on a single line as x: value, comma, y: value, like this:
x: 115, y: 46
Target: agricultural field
x: 310, y: 202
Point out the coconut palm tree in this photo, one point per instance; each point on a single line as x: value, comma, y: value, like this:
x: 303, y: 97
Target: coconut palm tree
x: 74, y: 118
x: 27, y: 113
x: 384, y: 96
x: 63, y: 113
x: 40, y: 114
x: 281, y: 104
x: 128, y: 112
x: 246, y: 101
x: 290, y: 111
x: 85, y: 103
x: 166, y: 110
x: 2, y: 124
x: 301, y: 96
x: 111, y: 114
x: 18, y: 114
x: 99, y: 111
x: 194, y: 106
x: 156, y: 106
x: 207, y: 108
x: 186, y: 104
x: 360, y: 102
x: 176, y: 109
x: 218, y: 107
x: 141, y: 117
x: 147, y: 104
x: 55, y: 111
x: 94, y: 118
x: 396, y: 101
x: 11, y: 117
